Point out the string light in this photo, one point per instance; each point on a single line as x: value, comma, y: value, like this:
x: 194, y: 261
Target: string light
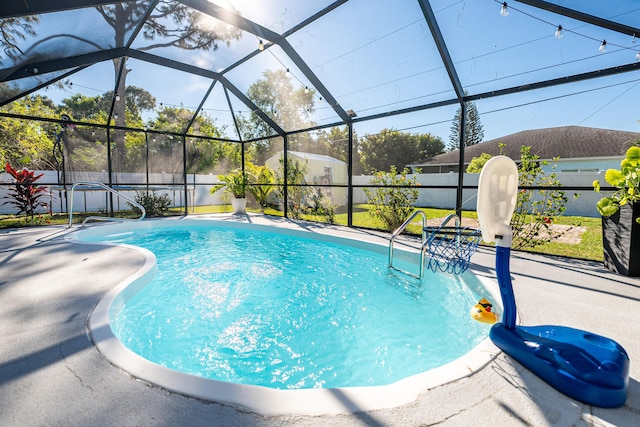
x: 603, y: 46
x: 504, y: 11
x: 291, y: 74
x: 260, y: 46
x: 117, y: 97
x: 558, y: 34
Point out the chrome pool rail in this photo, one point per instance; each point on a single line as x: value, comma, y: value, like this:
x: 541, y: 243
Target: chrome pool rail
x: 103, y: 218
x: 398, y: 231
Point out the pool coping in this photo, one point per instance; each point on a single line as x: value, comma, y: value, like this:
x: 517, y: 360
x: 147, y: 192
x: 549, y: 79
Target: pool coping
x: 264, y: 400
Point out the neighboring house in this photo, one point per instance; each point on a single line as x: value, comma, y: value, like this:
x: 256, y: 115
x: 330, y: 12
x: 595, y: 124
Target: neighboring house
x: 579, y: 149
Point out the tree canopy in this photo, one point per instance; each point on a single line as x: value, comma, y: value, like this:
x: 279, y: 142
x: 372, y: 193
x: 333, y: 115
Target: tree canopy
x: 389, y: 148
x: 27, y: 143
x: 276, y: 95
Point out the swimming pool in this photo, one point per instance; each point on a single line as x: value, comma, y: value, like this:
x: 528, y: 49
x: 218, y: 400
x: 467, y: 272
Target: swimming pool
x: 286, y: 359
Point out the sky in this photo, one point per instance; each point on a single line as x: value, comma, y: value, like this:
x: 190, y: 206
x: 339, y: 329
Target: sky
x: 375, y: 56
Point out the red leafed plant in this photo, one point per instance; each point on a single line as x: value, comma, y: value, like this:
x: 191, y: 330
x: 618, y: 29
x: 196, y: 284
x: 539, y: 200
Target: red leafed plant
x: 26, y: 195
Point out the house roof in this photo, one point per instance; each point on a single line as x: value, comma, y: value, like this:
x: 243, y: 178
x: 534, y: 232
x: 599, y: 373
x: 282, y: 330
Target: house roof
x: 308, y: 156
x: 312, y: 156
x: 567, y: 142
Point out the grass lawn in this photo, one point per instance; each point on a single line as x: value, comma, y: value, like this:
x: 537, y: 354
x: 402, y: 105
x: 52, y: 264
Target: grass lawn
x: 587, y: 246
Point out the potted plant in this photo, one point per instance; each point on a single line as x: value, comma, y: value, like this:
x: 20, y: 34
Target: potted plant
x: 236, y: 184
x: 621, y: 216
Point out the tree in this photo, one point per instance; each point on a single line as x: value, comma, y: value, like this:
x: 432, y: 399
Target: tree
x: 11, y: 31
x: 474, y: 132
x: 27, y: 142
x: 175, y: 24
x: 203, y: 154
x: 86, y: 147
x: 389, y: 148
x: 93, y: 109
x: 14, y: 29
x: 335, y: 143
x: 289, y: 107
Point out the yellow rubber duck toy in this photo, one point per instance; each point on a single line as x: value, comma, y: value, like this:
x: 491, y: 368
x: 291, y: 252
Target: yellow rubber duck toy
x: 482, y: 312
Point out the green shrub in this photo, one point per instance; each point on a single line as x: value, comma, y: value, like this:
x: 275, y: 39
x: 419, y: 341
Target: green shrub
x: 393, y: 201
x: 535, y: 210
x: 321, y: 204
x: 154, y: 204
x: 297, y: 192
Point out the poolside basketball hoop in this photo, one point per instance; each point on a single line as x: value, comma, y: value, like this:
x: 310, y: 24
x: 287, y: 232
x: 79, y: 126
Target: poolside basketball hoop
x: 449, y: 248
x: 446, y: 248
x: 587, y: 367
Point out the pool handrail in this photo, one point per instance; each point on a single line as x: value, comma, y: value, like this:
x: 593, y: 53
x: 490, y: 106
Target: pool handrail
x: 398, y: 231
x: 104, y: 218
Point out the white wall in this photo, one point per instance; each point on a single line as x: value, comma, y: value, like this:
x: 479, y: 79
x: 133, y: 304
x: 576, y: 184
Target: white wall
x: 585, y: 205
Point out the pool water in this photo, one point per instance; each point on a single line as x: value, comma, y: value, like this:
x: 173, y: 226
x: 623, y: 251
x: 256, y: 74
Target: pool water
x: 288, y: 312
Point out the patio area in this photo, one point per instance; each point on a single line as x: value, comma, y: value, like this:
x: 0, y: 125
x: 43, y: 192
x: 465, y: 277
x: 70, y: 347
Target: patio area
x: 52, y: 374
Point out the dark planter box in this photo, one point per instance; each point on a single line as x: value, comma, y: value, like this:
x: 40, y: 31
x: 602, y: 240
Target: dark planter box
x: 621, y: 241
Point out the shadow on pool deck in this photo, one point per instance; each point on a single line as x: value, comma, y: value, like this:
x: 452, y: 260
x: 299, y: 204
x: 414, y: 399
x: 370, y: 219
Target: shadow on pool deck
x: 50, y: 372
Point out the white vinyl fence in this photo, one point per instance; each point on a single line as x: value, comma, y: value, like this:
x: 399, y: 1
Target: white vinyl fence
x: 97, y: 200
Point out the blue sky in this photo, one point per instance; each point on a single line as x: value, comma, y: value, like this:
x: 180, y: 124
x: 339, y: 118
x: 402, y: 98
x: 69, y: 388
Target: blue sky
x: 378, y: 55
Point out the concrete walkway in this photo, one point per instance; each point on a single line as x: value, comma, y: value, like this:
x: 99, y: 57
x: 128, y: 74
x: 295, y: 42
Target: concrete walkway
x: 51, y: 373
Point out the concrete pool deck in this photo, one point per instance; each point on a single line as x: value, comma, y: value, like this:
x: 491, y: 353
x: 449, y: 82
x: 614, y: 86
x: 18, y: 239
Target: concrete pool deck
x: 52, y: 374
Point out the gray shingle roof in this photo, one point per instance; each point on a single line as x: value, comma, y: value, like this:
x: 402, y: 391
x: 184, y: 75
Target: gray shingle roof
x: 566, y: 142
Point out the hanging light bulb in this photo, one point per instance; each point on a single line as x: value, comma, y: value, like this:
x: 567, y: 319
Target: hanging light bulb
x: 115, y: 116
x: 558, y: 34
x: 633, y: 39
x: 117, y: 97
x: 504, y: 11
x: 260, y: 46
x: 306, y: 89
x: 603, y: 46
x: 638, y: 56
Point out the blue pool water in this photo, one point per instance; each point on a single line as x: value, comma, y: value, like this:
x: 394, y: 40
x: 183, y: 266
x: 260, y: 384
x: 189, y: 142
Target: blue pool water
x: 289, y: 312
